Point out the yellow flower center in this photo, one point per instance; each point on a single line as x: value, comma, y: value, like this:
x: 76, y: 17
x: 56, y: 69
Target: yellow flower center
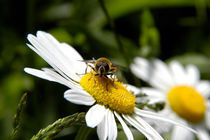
x: 111, y: 94
x: 187, y: 103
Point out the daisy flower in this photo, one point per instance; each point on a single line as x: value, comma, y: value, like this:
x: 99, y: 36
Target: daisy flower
x: 108, y: 99
x: 186, y: 96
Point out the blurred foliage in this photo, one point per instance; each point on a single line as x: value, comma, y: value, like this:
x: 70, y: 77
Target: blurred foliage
x: 168, y: 29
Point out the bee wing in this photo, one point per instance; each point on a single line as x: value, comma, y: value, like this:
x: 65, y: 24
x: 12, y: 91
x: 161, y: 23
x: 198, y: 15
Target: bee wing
x: 115, y: 66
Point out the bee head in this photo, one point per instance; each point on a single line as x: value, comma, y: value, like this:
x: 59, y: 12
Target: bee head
x: 102, y: 68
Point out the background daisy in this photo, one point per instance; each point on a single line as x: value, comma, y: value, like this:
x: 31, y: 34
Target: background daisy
x: 186, y: 96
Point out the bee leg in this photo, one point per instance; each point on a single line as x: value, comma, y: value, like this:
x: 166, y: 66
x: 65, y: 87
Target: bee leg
x: 112, y: 73
x: 90, y: 71
x: 106, y: 83
x: 115, y: 78
x: 111, y: 76
x: 80, y: 73
x: 107, y: 87
x: 90, y: 67
x: 95, y: 80
x: 85, y: 70
x: 91, y: 76
x: 106, y: 76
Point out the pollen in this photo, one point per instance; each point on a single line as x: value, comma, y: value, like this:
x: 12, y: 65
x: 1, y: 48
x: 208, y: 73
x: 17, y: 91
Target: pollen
x: 187, y: 103
x: 109, y: 92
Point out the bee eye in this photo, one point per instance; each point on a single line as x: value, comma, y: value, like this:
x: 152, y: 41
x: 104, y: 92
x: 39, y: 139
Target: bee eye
x: 102, y: 64
x: 106, y: 66
x: 98, y: 65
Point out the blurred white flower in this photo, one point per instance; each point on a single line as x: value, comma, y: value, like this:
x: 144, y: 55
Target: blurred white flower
x: 186, y: 96
x: 107, y: 99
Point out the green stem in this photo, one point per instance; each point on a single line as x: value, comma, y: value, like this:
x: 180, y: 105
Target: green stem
x: 83, y: 133
x: 112, y: 25
x: 16, y: 122
x: 52, y: 130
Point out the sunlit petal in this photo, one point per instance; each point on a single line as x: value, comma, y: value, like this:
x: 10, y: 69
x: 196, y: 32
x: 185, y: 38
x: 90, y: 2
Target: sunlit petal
x: 127, y: 131
x: 179, y: 133
x: 112, y: 126
x: 193, y: 74
x: 178, y: 72
x: 79, y: 97
x: 204, y: 88
x: 156, y: 116
x: 102, y: 128
x: 95, y: 115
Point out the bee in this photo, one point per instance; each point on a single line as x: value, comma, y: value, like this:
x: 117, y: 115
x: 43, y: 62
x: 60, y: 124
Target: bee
x: 102, y: 67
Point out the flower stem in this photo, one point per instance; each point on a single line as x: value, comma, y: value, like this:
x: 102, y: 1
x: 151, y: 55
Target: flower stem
x: 16, y: 121
x: 52, y: 130
x: 112, y: 25
x: 83, y: 133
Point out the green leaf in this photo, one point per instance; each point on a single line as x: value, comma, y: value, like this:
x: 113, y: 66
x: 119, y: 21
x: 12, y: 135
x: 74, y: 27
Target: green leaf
x: 149, y: 38
x: 119, y: 8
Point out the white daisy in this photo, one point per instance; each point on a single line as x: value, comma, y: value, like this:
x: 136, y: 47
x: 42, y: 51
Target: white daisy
x: 108, y: 99
x: 186, y: 96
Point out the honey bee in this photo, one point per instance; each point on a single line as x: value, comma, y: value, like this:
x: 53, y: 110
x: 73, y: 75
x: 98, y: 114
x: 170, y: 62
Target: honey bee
x: 102, y: 67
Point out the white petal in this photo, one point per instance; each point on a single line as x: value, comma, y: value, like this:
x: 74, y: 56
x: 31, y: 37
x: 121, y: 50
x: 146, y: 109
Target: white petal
x: 179, y: 74
x: 51, y: 75
x: 75, y: 58
x: 139, y: 127
x: 95, y: 115
x: 68, y: 82
x: 127, y: 131
x: 79, y: 97
x: 157, y: 83
x: 56, y: 49
x: 152, y: 73
x: 156, y: 116
x: 141, y: 68
x: 153, y: 93
x: 132, y: 88
x: 207, y: 116
x: 102, y: 128
x: 203, y: 134
x: 70, y: 52
x: 203, y: 88
x: 50, y: 50
x: 152, y: 131
x: 150, y: 92
x: 160, y: 126
x: 47, y: 58
x: 39, y: 73
x: 193, y: 74
x: 162, y: 73
x: 180, y: 133
x: 112, y: 126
